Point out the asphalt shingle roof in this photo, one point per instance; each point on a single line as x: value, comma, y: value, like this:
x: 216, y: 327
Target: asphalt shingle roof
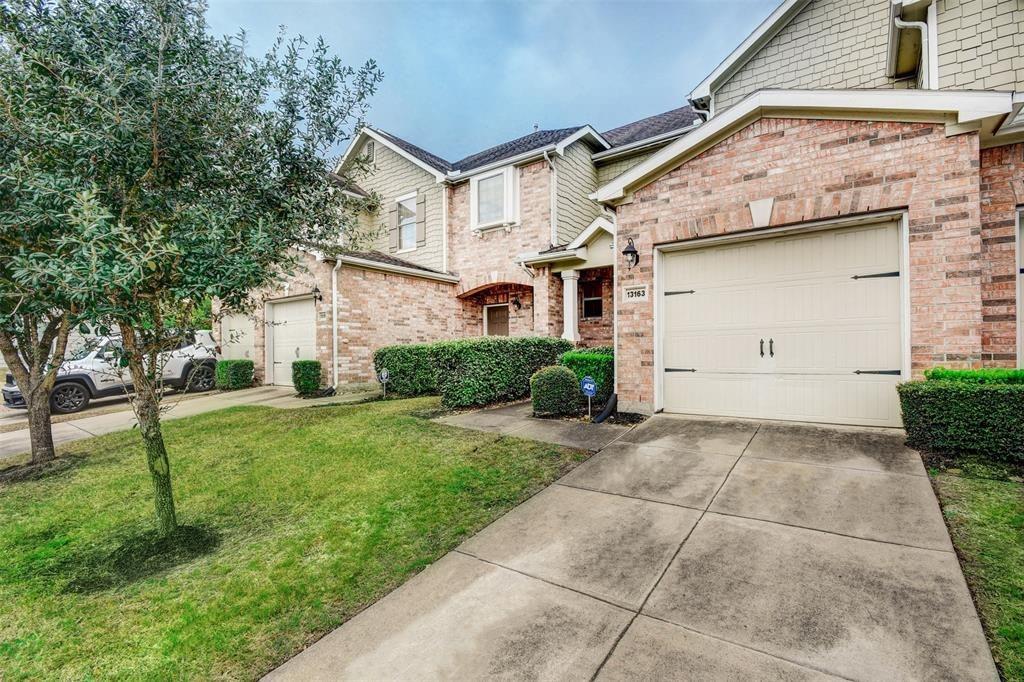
x: 378, y: 257
x: 651, y: 126
x: 520, y: 145
x: 432, y: 160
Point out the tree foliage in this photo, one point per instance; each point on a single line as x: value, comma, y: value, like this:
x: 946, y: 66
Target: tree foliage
x: 164, y: 166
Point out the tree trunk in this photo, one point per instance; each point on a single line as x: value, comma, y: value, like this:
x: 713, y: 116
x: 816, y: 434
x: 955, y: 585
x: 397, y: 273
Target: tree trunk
x: 147, y: 409
x: 39, y: 431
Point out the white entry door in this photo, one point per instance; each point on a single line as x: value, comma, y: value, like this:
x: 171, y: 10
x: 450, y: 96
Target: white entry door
x: 804, y: 328
x: 236, y: 337
x: 292, y: 326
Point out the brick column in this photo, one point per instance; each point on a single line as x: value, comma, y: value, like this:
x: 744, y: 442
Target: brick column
x: 570, y: 306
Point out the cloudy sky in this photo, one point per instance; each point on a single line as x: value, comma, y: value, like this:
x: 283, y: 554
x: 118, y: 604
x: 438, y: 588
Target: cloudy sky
x: 462, y: 76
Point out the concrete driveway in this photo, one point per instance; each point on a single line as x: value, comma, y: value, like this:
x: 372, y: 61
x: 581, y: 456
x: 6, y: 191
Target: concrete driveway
x: 691, y: 549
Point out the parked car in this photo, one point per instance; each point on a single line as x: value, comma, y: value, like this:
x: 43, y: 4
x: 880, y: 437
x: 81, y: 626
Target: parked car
x: 94, y: 372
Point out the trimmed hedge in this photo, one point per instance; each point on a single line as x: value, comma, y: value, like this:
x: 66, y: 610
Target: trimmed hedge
x: 491, y: 369
x: 976, y: 376
x: 306, y: 376
x: 554, y: 390
x: 232, y: 375
x: 961, y: 418
x: 410, y: 369
x: 593, y: 363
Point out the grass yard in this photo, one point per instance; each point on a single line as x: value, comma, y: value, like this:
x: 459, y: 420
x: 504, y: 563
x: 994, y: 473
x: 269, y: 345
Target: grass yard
x: 298, y: 519
x: 986, y: 521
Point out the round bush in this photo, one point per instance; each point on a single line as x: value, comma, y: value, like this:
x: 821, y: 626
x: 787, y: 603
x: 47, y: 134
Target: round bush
x: 306, y: 376
x: 554, y: 390
x: 232, y: 375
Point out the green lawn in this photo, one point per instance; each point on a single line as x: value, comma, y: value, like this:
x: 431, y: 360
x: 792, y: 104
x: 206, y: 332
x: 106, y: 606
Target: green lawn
x: 986, y: 520
x: 302, y: 518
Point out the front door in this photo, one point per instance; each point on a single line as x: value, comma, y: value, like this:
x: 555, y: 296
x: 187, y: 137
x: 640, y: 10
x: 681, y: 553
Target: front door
x: 496, y: 320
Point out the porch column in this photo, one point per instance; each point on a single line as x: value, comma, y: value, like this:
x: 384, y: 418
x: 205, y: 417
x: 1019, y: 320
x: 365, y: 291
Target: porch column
x: 570, y: 305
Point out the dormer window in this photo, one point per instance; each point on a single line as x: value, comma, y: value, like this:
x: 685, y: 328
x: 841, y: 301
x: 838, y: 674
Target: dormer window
x: 493, y: 199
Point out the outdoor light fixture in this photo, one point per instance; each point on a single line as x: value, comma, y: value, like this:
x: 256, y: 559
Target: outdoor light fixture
x: 317, y: 296
x: 516, y: 303
x: 631, y: 254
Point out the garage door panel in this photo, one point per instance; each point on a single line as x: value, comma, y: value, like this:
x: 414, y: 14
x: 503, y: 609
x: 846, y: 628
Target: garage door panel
x: 293, y: 330
x: 237, y: 337
x: 799, y: 293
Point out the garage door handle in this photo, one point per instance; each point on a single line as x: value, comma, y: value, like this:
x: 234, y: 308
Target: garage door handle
x: 762, y: 348
x: 296, y: 352
x: 771, y: 347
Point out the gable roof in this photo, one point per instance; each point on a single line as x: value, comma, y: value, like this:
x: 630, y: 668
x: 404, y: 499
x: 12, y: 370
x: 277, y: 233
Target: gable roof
x: 506, y: 150
x: 765, y: 31
x: 961, y: 110
x: 652, y: 126
x: 432, y: 160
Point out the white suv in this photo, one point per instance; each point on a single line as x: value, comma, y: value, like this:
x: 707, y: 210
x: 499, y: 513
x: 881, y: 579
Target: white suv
x: 94, y: 372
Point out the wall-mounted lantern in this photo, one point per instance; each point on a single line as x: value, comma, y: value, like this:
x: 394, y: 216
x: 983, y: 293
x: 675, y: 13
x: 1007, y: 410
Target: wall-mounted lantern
x: 516, y: 303
x: 317, y: 296
x: 630, y: 253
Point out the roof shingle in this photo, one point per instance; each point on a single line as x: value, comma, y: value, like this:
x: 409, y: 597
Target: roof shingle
x: 651, y: 126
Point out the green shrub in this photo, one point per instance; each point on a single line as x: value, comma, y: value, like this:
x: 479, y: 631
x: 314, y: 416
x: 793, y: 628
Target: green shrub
x: 976, y: 376
x: 232, y: 375
x: 491, y: 369
x: 595, y: 364
x: 410, y: 368
x: 960, y: 418
x: 554, y: 390
x: 306, y: 376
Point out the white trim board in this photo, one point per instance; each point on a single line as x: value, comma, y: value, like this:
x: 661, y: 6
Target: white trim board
x: 966, y: 109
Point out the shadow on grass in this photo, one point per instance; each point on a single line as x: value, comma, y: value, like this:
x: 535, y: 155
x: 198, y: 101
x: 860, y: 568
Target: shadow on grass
x: 32, y: 472
x: 140, y: 556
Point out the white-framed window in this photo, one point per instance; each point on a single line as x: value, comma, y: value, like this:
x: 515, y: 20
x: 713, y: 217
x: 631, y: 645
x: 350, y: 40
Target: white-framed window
x: 593, y: 301
x: 494, y: 199
x: 407, y: 222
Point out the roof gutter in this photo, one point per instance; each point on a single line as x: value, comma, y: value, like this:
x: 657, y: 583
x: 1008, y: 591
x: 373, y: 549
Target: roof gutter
x: 396, y: 269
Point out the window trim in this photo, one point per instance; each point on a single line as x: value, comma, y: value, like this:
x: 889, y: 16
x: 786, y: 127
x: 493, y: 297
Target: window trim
x: 398, y: 202
x: 497, y: 305
x: 585, y: 298
x: 510, y: 211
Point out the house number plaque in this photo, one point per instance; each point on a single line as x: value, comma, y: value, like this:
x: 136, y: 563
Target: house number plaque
x: 634, y: 294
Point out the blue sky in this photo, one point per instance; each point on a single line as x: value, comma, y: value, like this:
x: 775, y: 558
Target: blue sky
x: 462, y: 76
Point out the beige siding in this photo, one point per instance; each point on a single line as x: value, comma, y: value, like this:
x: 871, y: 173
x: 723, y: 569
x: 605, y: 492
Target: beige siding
x: 577, y: 180
x: 981, y: 44
x: 392, y: 176
x: 830, y: 44
x: 612, y: 169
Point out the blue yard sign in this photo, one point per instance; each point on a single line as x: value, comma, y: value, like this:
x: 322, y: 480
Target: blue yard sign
x: 588, y: 386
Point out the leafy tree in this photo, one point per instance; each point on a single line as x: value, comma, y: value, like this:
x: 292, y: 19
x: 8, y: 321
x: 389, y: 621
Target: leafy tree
x: 188, y: 169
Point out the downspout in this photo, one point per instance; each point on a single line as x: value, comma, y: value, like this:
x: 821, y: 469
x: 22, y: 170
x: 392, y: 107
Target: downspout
x: 334, y: 324
x: 444, y: 227
x: 923, y: 28
x: 554, y: 194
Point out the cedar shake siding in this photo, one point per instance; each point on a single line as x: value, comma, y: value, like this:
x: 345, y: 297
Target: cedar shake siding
x: 577, y: 180
x: 816, y: 170
x: 981, y: 44
x: 830, y: 44
x: 392, y: 176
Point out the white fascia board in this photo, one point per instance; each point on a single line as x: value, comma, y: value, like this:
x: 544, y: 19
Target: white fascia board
x: 767, y: 30
x: 599, y: 224
x: 395, y: 269
x: 1014, y: 122
x: 537, y: 258
x: 360, y: 136
x: 585, y: 131
x: 646, y: 142
x: 836, y: 104
x: 438, y: 174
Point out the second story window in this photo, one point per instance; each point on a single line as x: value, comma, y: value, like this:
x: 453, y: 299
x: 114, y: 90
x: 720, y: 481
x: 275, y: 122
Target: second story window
x: 493, y: 199
x: 407, y: 223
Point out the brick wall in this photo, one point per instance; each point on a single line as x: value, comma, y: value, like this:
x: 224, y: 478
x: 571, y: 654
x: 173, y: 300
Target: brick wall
x: 818, y: 170
x: 1002, y: 191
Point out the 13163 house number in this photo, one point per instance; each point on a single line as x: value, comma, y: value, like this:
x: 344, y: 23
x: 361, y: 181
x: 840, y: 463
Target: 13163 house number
x: 634, y: 294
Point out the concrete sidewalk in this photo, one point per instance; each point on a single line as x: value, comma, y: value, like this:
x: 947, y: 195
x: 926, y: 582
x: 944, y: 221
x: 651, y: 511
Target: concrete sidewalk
x: 517, y: 420
x: 14, y: 443
x: 690, y: 549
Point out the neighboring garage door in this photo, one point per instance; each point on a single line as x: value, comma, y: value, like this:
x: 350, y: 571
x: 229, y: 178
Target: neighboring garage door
x: 293, y: 332
x: 236, y: 334
x: 800, y: 328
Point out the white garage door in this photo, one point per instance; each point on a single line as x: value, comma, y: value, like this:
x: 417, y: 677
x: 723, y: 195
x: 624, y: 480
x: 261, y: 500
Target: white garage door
x: 800, y: 328
x: 236, y: 337
x: 293, y: 330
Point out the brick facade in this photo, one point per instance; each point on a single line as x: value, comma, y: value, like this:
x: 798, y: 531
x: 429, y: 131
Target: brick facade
x: 598, y: 331
x: 1002, y: 192
x: 816, y: 170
